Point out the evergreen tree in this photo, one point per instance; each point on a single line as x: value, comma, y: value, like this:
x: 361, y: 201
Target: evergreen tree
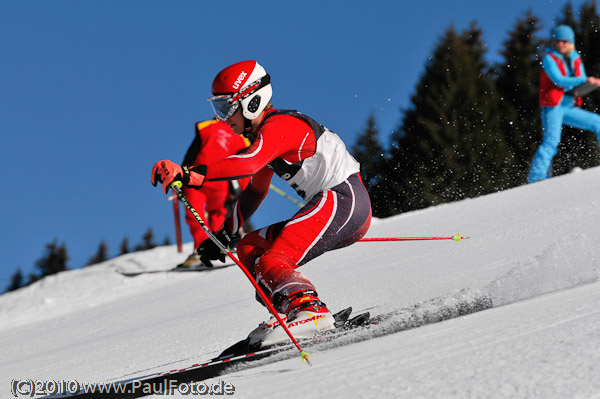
x: 369, y: 153
x: 167, y: 241
x: 580, y: 148
x: 517, y: 82
x: 124, y: 248
x: 101, y: 255
x: 449, y: 146
x: 388, y: 192
x: 568, y: 17
x: 54, y: 261
x: 147, y: 241
x: 33, y: 278
x: 16, y: 281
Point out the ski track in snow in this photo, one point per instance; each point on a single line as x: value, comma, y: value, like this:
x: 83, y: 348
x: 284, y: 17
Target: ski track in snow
x: 533, y: 250
x: 509, y: 352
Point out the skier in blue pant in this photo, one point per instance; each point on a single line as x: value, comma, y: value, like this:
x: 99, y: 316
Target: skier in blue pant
x: 562, y: 70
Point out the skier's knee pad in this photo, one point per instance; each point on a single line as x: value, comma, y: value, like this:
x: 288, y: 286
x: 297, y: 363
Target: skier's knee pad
x: 273, y: 267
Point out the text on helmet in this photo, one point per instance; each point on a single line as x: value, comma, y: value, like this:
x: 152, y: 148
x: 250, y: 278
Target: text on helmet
x: 239, y: 80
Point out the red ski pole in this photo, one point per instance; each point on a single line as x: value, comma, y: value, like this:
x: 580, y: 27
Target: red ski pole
x: 456, y: 237
x: 176, y: 186
x: 177, y: 224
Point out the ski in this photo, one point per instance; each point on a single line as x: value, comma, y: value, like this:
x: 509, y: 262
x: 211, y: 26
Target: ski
x: 343, y: 322
x: 164, y: 383
x: 348, y: 330
x: 177, y: 269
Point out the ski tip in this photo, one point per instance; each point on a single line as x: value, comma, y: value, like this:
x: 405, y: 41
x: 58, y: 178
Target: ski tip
x: 305, y: 357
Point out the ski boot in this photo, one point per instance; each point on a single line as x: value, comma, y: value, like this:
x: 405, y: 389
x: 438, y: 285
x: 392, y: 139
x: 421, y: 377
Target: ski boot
x: 304, y: 314
x: 193, y: 261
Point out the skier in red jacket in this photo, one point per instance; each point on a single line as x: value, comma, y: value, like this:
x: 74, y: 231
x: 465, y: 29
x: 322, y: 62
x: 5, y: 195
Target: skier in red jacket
x: 214, y: 140
x: 315, y: 162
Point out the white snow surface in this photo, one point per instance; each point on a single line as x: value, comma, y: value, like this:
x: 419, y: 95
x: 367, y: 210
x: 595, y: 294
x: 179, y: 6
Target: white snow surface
x: 535, y: 250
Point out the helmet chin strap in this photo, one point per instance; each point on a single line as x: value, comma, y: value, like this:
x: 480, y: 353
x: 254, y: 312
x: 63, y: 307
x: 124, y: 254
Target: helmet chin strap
x: 247, y: 127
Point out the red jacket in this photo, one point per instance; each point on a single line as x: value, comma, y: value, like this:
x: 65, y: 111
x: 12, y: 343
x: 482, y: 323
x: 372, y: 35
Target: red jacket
x: 214, y: 141
x: 305, y: 154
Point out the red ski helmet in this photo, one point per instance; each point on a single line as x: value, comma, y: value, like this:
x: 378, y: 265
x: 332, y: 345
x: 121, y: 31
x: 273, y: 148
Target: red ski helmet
x: 245, y: 83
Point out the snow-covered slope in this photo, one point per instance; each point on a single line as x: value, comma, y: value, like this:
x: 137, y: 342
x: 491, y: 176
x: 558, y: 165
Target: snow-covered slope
x: 535, y: 250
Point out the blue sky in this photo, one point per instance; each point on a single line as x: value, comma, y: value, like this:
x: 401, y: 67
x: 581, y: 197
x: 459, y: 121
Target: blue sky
x: 92, y: 93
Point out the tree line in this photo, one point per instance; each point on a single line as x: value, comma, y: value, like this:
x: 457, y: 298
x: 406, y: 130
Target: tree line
x: 472, y: 128
x: 55, y: 258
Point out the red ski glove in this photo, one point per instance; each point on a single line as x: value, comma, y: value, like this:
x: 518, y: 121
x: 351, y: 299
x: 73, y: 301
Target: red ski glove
x: 167, y: 172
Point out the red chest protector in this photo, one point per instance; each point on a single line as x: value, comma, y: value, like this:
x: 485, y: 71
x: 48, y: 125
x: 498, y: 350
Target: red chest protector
x: 550, y: 94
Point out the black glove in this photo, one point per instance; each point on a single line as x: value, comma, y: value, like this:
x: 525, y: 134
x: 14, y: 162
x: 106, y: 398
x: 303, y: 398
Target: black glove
x: 209, y: 251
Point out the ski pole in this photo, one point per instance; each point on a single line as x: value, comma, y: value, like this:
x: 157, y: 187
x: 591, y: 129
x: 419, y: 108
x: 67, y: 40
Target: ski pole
x: 177, y: 225
x: 456, y: 237
x: 286, y: 195
x: 177, y: 221
x: 176, y: 186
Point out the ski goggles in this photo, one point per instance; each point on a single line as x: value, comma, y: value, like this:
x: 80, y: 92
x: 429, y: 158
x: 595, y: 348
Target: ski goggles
x: 225, y: 105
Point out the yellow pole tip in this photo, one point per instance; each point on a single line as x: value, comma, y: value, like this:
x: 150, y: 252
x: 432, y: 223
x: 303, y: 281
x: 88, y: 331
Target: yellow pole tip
x: 457, y: 237
x: 177, y: 183
x: 305, y: 356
